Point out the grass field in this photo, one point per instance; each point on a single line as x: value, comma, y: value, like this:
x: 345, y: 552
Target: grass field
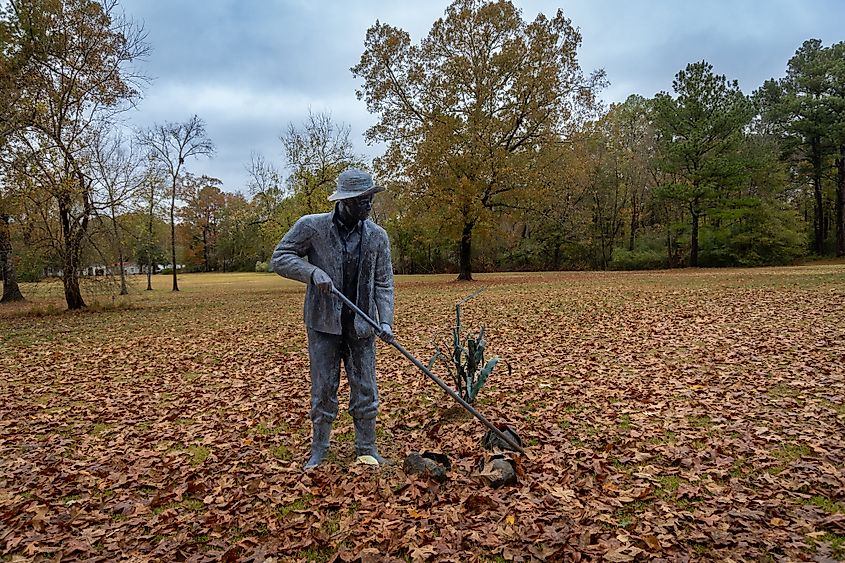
x: 682, y: 415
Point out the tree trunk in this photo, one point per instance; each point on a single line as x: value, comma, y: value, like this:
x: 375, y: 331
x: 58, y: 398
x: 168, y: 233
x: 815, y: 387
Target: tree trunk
x: 840, y: 202
x: 693, y: 253
x: 205, y: 249
x: 818, y: 218
x: 465, y: 257
x: 669, y: 243
x: 123, y: 290
x: 72, y: 237
x: 173, y: 235
x: 634, y: 221
x: 150, y: 240
x: 70, y: 279
x: 11, y: 290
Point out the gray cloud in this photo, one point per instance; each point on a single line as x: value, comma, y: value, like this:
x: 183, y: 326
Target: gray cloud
x: 249, y: 67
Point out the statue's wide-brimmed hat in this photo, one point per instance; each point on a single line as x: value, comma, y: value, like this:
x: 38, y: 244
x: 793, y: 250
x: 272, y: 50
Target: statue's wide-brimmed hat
x: 354, y: 183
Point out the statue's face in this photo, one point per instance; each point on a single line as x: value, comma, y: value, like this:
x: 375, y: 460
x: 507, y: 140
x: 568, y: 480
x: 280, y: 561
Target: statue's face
x: 359, y: 207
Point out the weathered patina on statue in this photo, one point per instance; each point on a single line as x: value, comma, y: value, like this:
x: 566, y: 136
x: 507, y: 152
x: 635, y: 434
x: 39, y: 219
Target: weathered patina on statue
x: 387, y: 336
x: 343, y: 252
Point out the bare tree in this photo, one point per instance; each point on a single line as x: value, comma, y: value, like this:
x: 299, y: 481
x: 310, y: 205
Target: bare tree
x: 263, y: 176
x: 316, y: 153
x: 150, y: 194
x: 72, y: 76
x: 170, y: 145
x: 117, y: 177
x: 265, y: 187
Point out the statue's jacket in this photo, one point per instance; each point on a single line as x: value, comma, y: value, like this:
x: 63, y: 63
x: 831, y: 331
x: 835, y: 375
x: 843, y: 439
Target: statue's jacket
x: 314, y: 242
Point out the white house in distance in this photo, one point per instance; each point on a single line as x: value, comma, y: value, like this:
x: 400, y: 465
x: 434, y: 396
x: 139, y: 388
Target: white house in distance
x: 129, y: 268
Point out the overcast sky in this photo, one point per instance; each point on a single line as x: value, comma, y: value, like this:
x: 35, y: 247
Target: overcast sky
x: 249, y: 67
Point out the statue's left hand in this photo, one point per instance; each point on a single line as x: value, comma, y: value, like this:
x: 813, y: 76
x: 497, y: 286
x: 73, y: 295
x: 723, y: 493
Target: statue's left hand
x: 386, y: 332
x: 322, y: 280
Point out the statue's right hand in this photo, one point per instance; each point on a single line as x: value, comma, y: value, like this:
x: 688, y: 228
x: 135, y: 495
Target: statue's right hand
x: 322, y: 280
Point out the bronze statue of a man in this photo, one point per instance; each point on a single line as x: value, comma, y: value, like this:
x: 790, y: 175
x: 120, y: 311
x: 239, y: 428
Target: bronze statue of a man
x: 347, y: 251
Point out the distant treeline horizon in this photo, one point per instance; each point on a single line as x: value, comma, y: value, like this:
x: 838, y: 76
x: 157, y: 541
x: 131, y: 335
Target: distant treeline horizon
x: 499, y: 156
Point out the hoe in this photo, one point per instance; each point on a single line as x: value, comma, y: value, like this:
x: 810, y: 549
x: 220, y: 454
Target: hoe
x: 422, y: 367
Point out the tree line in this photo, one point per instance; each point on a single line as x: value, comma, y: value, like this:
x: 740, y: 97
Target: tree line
x: 499, y: 156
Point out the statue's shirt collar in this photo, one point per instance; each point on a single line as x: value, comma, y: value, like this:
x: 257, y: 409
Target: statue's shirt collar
x: 344, y: 229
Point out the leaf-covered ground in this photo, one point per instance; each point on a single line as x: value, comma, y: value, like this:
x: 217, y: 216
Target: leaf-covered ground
x: 694, y: 415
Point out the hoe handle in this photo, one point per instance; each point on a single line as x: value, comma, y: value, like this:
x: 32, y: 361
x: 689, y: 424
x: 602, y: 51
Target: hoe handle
x: 423, y: 368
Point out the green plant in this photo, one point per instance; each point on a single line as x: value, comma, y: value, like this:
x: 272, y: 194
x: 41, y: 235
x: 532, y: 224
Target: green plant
x: 466, y: 364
